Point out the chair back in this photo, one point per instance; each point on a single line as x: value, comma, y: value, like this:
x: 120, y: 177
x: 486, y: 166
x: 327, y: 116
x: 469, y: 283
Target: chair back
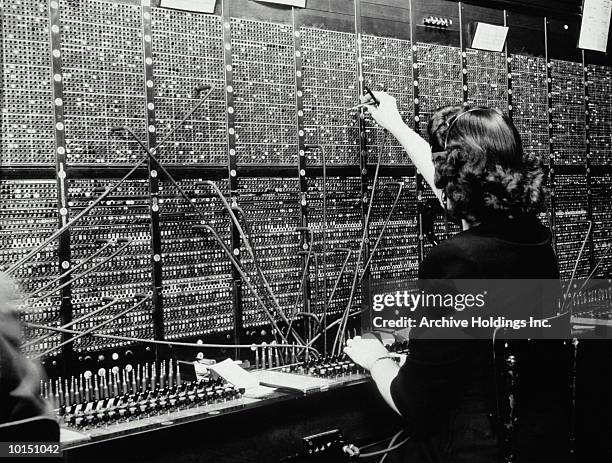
x: 529, y: 369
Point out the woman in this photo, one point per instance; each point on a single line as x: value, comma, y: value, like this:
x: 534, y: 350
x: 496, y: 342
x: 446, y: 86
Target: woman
x: 19, y: 378
x: 476, y: 166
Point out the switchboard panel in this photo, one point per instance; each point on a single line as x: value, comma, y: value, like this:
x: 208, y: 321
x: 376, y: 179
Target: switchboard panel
x: 600, y: 118
x: 119, y: 276
x: 440, y: 82
x: 568, y: 108
x: 196, y: 272
x: 28, y: 213
x: 27, y: 94
x: 264, y: 92
x: 487, y: 79
x: 342, y: 228
x: 329, y: 61
x: 104, y: 83
x: 601, y: 186
x: 571, y: 224
x: 126, y: 63
x: 530, y: 104
x: 394, y: 230
x: 188, y: 53
x: 271, y: 217
x: 387, y: 66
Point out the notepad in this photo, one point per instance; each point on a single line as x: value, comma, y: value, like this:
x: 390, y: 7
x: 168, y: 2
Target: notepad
x: 290, y: 381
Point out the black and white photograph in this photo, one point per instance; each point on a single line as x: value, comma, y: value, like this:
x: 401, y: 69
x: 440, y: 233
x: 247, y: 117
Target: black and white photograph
x: 306, y: 231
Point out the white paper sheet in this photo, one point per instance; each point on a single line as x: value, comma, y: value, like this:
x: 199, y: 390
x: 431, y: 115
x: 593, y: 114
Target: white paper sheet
x: 201, y: 6
x: 595, y: 25
x: 235, y: 374
x: 69, y: 435
x: 490, y: 37
x: 299, y: 3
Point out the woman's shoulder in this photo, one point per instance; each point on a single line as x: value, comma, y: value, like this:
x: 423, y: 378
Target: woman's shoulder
x: 450, y: 259
x: 491, y: 250
x: 525, y: 230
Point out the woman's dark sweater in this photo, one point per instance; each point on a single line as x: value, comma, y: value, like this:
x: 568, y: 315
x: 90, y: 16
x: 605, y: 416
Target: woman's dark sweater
x: 445, y: 390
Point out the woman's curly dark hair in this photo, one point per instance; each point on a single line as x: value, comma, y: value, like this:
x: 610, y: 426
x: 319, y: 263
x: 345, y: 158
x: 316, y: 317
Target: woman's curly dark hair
x: 481, y: 166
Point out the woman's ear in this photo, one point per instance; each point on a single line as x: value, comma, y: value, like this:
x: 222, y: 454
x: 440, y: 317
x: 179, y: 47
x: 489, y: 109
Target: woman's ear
x: 438, y: 126
x: 439, y: 157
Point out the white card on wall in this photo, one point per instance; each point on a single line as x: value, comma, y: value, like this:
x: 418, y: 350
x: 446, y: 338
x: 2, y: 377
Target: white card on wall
x: 298, y: 3
x: 595, y: 25
x: 200, y: 6
x: 490, y: 37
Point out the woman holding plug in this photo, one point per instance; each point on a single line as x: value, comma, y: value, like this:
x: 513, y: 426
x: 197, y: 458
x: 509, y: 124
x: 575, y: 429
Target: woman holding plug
x: 475, y: 164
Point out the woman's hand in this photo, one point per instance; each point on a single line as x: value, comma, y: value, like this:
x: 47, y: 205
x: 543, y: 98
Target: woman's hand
x: 365, y: 352
x: 387, y: 116
x: 386, y: 113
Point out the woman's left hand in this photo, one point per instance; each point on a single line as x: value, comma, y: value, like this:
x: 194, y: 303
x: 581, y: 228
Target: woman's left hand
x: 365, y: 352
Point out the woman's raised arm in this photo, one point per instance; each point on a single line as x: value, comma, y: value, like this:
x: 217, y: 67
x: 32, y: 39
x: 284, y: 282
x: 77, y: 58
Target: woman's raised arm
x: 387, y: 116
